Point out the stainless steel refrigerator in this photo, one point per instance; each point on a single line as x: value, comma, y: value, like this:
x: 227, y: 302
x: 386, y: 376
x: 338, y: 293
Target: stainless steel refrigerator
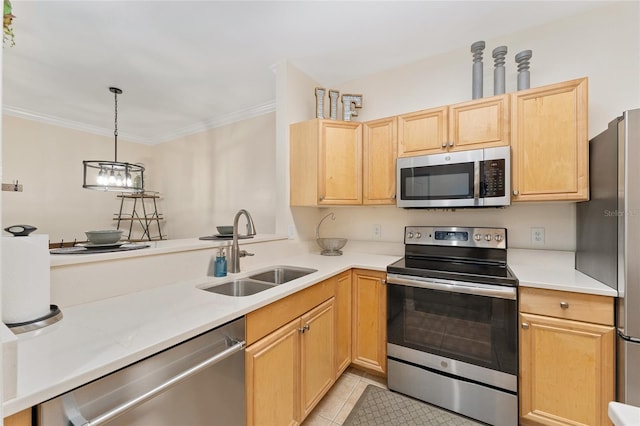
x: 608, y: 238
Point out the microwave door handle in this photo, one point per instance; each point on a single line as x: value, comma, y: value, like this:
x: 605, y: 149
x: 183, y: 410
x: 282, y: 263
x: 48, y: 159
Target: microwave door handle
x: 476, y: 180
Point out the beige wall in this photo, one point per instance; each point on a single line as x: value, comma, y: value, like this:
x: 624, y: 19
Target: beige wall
x: 203, y: 179
x: 47, y: 161
x: 207, y: 177
x: 602, y: 45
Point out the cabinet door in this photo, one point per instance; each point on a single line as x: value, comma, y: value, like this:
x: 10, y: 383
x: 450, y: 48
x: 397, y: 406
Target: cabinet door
x: 481, y: 123
x: 317, y: 361
x: 422, y: 132
x: 549, y: 143
x: 340, y: 180
x: 369, y: 347
x: 343, y: 322
x: 21, y: 418
x: 380, y: 150
x: 272, y: 378
x: 567, y: 372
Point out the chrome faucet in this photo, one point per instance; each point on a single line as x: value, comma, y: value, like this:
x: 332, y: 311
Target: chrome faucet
x: 236, y: 253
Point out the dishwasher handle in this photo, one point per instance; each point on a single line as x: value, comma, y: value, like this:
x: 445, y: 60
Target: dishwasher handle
x: 124, y: 407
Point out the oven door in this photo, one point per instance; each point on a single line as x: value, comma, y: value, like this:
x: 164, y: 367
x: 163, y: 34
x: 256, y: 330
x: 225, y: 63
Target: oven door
x: 463, y: 329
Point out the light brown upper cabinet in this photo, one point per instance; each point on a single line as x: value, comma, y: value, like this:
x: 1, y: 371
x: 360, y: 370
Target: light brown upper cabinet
x: 422, y: 132
x: 330, y: 164
x: 379, y: 161
x: 549, y: 143
x: 325, y: 163
x: 480, y: 123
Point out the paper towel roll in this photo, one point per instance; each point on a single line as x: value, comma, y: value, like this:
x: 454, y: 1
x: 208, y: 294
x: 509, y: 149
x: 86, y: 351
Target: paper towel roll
x: 26, y: 278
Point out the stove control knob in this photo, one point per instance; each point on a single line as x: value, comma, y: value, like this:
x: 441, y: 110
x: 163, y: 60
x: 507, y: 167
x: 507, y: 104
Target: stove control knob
x: 409, y: 234
x: 418, y: 235
x: 498, y: 237
x: 487, y: 237
x: 477, y: 237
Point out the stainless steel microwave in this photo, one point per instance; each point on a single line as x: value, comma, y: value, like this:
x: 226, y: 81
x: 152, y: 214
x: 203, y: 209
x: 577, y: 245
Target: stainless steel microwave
x: 475, y: 178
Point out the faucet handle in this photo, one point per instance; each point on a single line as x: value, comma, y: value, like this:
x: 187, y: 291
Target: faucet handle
x: 244, y: 253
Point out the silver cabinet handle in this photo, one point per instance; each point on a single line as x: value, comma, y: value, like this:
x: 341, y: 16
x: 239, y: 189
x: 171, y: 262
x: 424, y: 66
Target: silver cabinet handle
x: 450, y: 143
x: 122, y: 408
x: 321, y: 197
x: 444, y: 144
x: 515, y: 192
x: 305, y: 328
x: 564, y: 305
x: 525, y: 325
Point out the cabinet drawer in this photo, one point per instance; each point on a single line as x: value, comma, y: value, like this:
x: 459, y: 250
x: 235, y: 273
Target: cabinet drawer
x: 265, y: 320
x: 568, y: 305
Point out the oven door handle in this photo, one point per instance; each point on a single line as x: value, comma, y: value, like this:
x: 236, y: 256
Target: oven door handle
x: 455, y: 287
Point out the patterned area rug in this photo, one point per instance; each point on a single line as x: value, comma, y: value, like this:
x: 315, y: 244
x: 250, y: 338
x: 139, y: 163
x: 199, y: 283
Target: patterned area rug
x: 381, y: 407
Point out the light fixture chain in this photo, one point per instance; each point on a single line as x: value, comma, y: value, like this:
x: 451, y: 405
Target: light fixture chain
x: 115, y: 126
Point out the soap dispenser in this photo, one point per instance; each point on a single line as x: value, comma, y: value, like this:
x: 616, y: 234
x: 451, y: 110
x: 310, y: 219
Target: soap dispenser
x: 220, y: 265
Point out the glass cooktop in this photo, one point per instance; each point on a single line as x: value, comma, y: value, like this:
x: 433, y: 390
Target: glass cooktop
x: 451, y: 269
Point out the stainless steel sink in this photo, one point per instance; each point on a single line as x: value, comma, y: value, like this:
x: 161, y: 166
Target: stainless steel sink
x: 239, y: 287
x: 259, y: 282
x: 282, y: 274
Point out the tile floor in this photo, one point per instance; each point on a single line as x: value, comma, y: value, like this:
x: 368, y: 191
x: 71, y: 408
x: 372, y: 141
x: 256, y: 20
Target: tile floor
x: 338, y: 402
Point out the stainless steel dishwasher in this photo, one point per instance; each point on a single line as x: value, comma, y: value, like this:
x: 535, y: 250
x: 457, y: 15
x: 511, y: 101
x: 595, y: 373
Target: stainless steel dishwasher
x: 197, y: 382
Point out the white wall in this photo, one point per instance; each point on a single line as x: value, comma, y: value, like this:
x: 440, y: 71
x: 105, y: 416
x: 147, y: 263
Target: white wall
x: 207, y: 177
x: 602, y: 45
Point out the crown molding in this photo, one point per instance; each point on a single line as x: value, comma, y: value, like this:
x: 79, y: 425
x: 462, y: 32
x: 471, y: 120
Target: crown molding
x: 68, y: 124
x: 219, y: 121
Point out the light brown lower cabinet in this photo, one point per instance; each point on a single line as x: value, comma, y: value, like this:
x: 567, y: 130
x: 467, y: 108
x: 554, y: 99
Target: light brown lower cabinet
x: 21, y: 418
x: 567, y: 363
x: 290, y: 370
x: 343, y: 321
x: 369, y: 321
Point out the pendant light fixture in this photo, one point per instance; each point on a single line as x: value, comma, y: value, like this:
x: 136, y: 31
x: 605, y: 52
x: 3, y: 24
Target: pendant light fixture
x: 104, y: 175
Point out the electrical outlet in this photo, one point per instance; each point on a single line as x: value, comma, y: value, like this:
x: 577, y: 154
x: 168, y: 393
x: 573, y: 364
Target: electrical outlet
x: 377, y: 231
x: 537, y: 236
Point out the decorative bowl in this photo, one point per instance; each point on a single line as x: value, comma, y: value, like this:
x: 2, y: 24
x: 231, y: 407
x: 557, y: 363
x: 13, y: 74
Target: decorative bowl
x: 106, y: 236
x: 331, y: 246
x: 225, y: 230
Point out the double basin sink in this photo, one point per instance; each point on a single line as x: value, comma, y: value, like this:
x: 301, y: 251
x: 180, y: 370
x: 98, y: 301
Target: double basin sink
x: 260, y: 281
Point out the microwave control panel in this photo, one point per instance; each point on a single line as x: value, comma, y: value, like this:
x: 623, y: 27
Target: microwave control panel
x: 492, y: 177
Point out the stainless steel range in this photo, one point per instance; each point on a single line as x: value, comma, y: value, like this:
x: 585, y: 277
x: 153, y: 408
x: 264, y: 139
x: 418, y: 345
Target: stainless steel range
x: 452, y: 322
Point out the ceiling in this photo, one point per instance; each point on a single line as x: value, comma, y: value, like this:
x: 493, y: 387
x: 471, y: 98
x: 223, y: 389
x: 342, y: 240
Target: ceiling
x: 185, y: 66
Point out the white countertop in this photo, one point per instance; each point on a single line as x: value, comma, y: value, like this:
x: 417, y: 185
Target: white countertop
x: 623, y: 414
x: 156, y: 248
x: 94, y: 339
x: 98, y: 337
x: 553, y: 270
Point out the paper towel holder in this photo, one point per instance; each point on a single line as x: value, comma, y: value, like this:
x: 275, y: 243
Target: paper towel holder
x: 54, y: 315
